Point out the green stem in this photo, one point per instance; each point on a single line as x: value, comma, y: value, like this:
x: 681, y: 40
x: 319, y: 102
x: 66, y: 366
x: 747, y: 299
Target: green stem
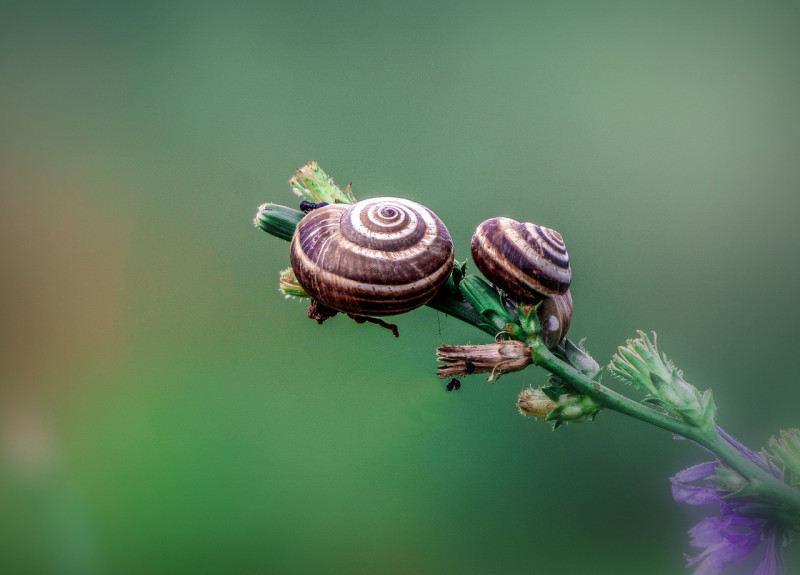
x: 607, y: 397
x: 446, y: 303
x: 762, y: 482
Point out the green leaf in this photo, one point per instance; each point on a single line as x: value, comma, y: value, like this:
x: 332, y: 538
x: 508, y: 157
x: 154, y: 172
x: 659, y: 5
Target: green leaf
x: 579, y: 358
x: 655, y: 401
x: 485, y: 299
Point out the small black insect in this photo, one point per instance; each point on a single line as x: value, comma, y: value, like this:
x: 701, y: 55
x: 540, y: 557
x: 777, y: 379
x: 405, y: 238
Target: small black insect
x: 469, y: 367
x: 453, y: 385
x: 306, y: 206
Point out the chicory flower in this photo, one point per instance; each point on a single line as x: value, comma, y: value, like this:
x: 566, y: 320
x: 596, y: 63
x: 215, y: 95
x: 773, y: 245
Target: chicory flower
x: 738, y: 529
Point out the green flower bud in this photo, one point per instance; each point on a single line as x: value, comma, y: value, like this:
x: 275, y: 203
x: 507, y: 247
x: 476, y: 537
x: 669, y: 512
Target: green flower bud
x: 277, y: 220
x: 559, y: 409
x: 639, y: 363
x: 313, y: 184
x: 786, y: 452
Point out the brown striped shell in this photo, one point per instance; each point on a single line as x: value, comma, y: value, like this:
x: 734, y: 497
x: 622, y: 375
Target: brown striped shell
x: 377, y: 257
x: 526, y: 261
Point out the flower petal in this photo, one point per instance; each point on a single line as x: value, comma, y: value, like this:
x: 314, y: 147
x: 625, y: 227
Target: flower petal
x: 683, y: 491
x: 772, y: 563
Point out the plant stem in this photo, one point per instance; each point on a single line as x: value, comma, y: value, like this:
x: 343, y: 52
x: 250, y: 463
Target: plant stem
x: 605, y: 396
x: 446, y: 303
x: 761, y: 480
x: 450, y: 303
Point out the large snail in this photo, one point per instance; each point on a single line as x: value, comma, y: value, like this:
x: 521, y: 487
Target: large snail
x: 378, y: 257
x: 530, y: 264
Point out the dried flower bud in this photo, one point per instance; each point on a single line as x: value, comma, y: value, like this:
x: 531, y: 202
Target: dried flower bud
x: 557, y: 408
x: 290, y: 286
x: 497, y: 358
x: 534, y: 403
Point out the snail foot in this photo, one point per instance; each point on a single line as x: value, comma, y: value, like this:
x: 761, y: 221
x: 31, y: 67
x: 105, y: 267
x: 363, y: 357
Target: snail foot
x: 320, y: 312
x: 364, y: 319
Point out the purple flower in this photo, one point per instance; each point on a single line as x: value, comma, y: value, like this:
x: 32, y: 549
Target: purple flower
x: 735, y: 532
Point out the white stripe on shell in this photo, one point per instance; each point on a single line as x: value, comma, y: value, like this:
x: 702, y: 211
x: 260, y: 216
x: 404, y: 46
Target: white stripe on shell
x: 407, y: 209
x: 513, y: 236
x: 325, y: 277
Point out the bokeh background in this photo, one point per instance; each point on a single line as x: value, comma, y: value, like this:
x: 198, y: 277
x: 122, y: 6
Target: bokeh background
x: 164, y: 410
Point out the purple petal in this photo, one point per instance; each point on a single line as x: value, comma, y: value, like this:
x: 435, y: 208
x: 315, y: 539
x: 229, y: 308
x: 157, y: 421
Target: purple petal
x: 715, y: 558
x: 684, y: 492
x: 695, y: 494
x: 726, y: 540
x: 707, y: 532
x: 743, y: 531
x: 772, y: 564
x: 732, y: 534
x: 695, y: 472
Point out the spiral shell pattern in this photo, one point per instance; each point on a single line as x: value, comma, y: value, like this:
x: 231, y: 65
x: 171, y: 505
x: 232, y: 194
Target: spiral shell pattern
x: 524, y: 260
x: 378, y: 257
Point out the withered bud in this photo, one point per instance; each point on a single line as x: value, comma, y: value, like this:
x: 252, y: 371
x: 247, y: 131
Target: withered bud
x: 566, y: 407
x: 535, y: 403
x: 289, y: 285
x: 495, y: 358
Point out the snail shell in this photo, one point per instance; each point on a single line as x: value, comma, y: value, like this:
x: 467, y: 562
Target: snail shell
x: 555, y: 315
x: 377, y: 257
x: 524, y: 260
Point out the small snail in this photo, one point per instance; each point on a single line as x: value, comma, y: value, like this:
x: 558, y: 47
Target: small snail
x: 526, y: 261
x: 530, y: 264
x: 377, y: 257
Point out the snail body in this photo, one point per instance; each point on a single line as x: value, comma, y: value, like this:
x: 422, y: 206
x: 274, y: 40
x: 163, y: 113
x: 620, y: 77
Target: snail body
x: 526, y: 261
x: 378, y: 257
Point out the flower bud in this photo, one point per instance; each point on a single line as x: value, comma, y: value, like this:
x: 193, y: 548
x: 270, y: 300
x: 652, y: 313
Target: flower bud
x: 640, y: 363
x: 290, y: 286
x: 497, y: 358
x: 534, y: 403
x: 279, y: 221
x: 313, y: 184
x: 786, y: 452
x: 557, y: 408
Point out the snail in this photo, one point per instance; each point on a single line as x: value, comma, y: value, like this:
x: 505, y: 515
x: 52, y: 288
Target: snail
x: 378, y: 257
x: 526, y: 261
x: 555, y: 315
x: 530, y: 264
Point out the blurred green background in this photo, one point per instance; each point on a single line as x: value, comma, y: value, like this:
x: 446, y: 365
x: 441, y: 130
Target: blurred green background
x: 164, y: 410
